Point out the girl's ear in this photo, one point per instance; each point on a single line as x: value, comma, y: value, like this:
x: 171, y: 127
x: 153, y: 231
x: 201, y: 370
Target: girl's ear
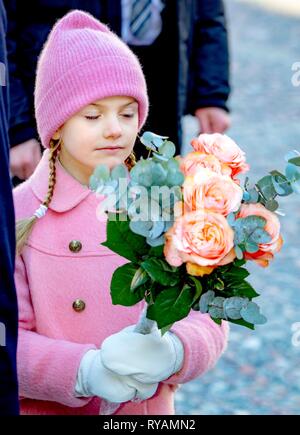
x: 56, y: 135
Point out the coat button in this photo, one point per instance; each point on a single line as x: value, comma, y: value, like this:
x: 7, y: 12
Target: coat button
x: 75, y: 246
x: 78, y: 305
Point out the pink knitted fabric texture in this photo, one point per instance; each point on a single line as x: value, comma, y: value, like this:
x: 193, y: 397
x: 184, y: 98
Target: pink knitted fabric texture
x: 83, y: 61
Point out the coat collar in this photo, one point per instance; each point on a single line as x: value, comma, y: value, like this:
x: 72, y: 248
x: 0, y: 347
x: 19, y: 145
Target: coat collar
x: 68, y: 192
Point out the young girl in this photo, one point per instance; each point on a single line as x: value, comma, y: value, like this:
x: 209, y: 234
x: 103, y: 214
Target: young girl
x: 90, y: 103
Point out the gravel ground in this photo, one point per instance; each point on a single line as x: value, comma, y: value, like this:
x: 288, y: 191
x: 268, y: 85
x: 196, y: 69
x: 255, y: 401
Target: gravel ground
x: 260, y: 371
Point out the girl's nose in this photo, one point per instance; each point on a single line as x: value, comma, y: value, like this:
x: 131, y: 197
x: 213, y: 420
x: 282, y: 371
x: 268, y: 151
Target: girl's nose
x: 112, y: 127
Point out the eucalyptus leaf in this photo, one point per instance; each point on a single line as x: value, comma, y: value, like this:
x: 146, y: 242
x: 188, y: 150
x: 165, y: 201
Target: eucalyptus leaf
x: 141, y: 227
x: 238, y: 252
x: 281, y: 185
x: 251, y: 313
x: 155, y: 242
x: 118, y: 172
x: 246, y: 196
x: 232, y: 307
x: 253, y: 196
x: 272, y: 205
x: 251, y: 247
x: 231, y: 219
x: 260, y: 236
x: 292, y: 172
x: 295, y: 161
x: 159, y: 157
x: 156, y: 230
x: 216, y: 307
x: 167, y: 149
x: 291, y: 155
x: 205, y: 300
x: 265, y: 185
x: 102, y: 172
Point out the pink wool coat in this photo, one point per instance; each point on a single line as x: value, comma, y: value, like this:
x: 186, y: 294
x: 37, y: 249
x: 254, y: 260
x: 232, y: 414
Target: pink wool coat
x: 53, y: 337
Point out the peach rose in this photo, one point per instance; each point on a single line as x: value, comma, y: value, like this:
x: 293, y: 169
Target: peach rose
x: 200, y: 237
x: 266, y: 250
x: 225, y: 149
x: 214, y: 192
x: 195, y: 161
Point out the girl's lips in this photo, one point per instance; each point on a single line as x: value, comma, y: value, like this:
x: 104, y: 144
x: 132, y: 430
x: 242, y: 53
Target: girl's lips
x: 109, y: 148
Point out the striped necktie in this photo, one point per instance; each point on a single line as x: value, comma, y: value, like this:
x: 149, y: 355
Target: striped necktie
x: 140, y: 17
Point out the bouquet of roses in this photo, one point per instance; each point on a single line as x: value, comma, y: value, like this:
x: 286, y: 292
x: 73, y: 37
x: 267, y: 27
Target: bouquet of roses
x: 187, y: 227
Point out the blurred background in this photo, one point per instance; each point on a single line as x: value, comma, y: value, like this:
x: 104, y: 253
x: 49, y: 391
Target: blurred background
x: 260, y: 371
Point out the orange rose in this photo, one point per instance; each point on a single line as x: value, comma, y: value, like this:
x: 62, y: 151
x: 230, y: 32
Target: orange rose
x: 224, y: 149
x: 195, y: 161
x: 266, y: 250
x: 200, y: 237
x: 214, y: 192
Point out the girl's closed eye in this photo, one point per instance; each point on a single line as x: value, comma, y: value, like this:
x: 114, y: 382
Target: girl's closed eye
x: 92, y: 117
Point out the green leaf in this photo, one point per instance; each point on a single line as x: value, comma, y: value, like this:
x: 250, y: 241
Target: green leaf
x: 236, y: 273
x: 171, y: 305
x: 291, y: 154
x: 140, y: 277
x: 123, y: 241
x: 243, y: 289
x: 161, y: 272
x: 120, y: 286
x: 217, y: 321
x: 198, y: 287
x: 156, y: 251
x: 295, y: 161
x: 239, y: 263
x: 166, y: 329
x: 242, y: 322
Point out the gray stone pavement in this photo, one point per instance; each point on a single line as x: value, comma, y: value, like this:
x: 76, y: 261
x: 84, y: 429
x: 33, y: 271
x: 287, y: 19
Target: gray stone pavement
x: 260, y: 371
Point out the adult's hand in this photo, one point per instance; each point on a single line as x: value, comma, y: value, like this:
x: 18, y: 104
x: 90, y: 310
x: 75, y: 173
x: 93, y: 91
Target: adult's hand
x: 24, y: 158
x: 213, y: 119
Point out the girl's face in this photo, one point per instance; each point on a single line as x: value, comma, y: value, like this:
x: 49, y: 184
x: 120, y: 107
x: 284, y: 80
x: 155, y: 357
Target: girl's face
x: 103, y: 132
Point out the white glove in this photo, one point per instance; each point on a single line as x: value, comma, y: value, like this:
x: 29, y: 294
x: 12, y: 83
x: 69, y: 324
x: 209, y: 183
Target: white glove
x: 93, y: 379
x: 146, y: 358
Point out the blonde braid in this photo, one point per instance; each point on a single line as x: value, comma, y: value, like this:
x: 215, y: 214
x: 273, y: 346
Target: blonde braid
x: 24, y: 226
x: 130, y: 162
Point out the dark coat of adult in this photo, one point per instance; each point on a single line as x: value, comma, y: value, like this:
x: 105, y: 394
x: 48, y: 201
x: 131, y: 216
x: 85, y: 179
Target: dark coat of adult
x: 8, y: 304
x: 199, y: 39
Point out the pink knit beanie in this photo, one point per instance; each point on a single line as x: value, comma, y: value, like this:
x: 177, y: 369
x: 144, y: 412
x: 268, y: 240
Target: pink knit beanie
x: 83, y: 61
